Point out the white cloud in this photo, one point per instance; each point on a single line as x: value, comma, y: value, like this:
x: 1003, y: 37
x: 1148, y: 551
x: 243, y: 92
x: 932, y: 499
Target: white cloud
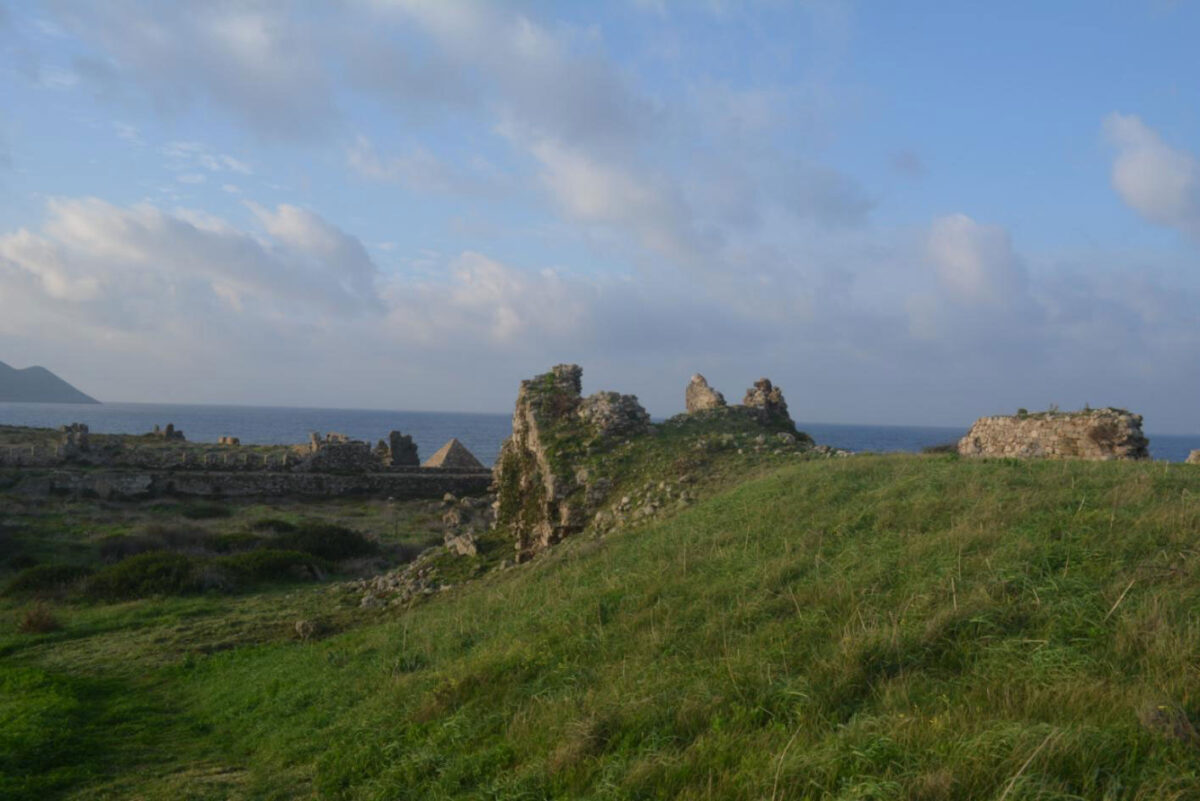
x: 199, y: 156
x: 975, y: 262
x: 419, y: 170
x: 256, y: 60
x: 1159, y: 182
x: 191, y: 178
x: 111, y: 257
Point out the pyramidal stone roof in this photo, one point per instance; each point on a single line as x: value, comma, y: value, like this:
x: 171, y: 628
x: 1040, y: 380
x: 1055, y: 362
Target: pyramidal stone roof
x: 454, y: 454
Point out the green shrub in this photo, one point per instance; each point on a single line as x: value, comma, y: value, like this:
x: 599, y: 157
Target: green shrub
x: 46, y: 579
x: 234, y: 542
x: 147, y: 574
x: 274, y: 524
x: 115, y: 547
x: 327, y: 541
x: 272, y: 564
x: 204, y: 511
x: 945, y: 447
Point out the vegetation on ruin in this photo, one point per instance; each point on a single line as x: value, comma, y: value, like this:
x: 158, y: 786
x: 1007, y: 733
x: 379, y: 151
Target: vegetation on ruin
x: 909, y: 627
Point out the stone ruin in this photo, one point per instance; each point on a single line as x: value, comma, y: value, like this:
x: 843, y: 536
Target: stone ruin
x: 401, y: 450
x: 74, y: 439
x: 1193, y: 458
x: 1097, y: 435
x: 699, y: 396
x: 232, y: 441
x: 170, y: 434
x: 764, y: 402
x: 540, y: 494
x: 612, y: 414
x: 336, y: 453
x: 546, y: 486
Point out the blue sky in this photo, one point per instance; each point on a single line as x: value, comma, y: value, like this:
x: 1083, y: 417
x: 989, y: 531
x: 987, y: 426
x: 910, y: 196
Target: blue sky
x: 900, y: 212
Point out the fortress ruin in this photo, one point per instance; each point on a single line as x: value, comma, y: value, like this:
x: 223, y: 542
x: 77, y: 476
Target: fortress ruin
x: 1092, y: 434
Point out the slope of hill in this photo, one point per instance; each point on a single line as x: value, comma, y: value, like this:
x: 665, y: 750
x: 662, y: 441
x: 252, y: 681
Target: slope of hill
x: 37, y: 385
x: 880, y: 627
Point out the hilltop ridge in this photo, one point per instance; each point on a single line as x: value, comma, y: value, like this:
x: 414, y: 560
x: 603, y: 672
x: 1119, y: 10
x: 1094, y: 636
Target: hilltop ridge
x: 37, y: 385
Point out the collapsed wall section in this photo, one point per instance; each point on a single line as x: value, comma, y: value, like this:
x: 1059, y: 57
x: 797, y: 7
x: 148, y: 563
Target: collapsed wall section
x: 540, y: 496
x: 1097, y: 435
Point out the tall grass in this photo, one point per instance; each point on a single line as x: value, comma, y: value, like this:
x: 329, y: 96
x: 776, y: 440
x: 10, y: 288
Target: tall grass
x: 872, y: 628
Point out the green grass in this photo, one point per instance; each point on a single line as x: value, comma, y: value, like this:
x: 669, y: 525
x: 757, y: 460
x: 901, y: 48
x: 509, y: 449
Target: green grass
x: 870, y: 628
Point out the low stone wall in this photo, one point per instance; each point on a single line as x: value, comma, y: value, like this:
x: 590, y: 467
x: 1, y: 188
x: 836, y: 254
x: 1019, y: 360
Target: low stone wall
x: 1098, y: 435
x: 130, y: 484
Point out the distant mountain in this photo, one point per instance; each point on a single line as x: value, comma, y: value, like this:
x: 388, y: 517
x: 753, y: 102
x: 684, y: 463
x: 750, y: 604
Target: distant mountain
x: 37, y: 385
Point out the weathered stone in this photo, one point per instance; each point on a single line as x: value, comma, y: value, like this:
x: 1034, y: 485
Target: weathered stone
x: 700, y: 396
x: 229, y: 441
x: 402, y: 450
x: 1194, y: 457
x: 613, y: 414
x: 169, y: 433
x: 533, y: 480
x: 765, y: 401
x: 1098, y: 435
x: 454, y: 455
x: 337, y: 453
x: 461, y: 544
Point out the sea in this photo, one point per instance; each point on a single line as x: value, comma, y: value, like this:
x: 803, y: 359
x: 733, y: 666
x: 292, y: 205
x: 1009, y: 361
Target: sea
x: 481, y: 433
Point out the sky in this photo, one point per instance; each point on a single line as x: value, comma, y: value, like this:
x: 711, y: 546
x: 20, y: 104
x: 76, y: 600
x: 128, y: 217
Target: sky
x: 902, y: 213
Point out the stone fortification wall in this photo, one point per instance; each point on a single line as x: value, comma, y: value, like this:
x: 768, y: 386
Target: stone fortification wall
x: 334, y: 453
x: 1099, y: 435
x: 401, y: 484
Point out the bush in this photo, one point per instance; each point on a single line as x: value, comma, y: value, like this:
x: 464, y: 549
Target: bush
x: 204, y: 511
x: 327, y: 541
x: 47, y: 580
x: 115, y: 547
x: 154, y: 573
x: 274, y: 524
x: 272, y: 564
x: 234, y: 542
x: 156, y: 537
x: 945, y: 447
x: 38, y: 619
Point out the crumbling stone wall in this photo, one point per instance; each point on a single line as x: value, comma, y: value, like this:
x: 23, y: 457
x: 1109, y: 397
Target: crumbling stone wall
x: 169, y: 433
x: 1098, y: 435
x: 699, y: 396
x: 550, y: 477
x: 541, y: 496
x: 765, y: 401
x: 336, y: 453
x: 401, y: 450
x: 612, y: 414
x: 131, y: 484
x: 532, y: 478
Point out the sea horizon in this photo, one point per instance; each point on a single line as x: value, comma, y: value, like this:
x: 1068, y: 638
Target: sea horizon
x: 481, y: 432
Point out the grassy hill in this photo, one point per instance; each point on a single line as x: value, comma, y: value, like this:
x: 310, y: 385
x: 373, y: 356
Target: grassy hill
x: 893, y: 627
